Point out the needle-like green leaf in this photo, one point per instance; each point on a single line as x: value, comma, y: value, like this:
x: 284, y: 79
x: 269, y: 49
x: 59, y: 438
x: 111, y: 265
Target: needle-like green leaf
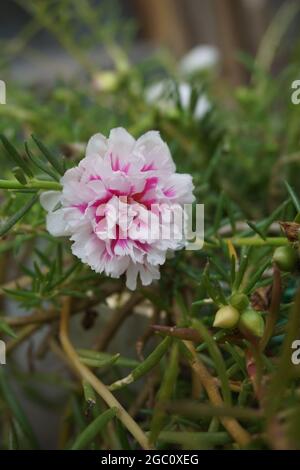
x: 17, y: 216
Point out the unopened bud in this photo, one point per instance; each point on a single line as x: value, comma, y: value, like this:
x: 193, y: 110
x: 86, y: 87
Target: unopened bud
x: 285, y: 258
x: 106, y: 81
x: 226, y: 317
x: 239, y: 301
x: 252, y: 322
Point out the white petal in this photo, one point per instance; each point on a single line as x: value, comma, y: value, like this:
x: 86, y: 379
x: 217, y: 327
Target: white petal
x: 117, y: 266
x: 202, y: 107
x: 123, y: 247
x: 88, y: 248
x: 160, y: 95
x: 199, y: 58
x: 131, y: 276
x: 73, y: 174
x: 75, y: 193
x: 155, y: 91
x: 75, y: 219
x: 50, y: 199
x: 56, y: 224
x: 156, y: 256
x: 97, y: 186
x: 97, y: 146
x: 185, y: 91
x: 119, y: 183
x: 148, y: 273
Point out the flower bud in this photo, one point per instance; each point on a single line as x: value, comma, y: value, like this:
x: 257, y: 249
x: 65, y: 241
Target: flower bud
x: 285, y: 258
x: 226, y: 317
x: 239, y: 301
x: 106, y: 81
x: 252, y: 322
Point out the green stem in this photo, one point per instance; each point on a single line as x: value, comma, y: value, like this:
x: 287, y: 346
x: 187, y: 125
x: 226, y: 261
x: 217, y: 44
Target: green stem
x: 99, y: 363
x: 148, y: 364
x: 248, y: 241
x: 257, y: 241
x: 32, y: 184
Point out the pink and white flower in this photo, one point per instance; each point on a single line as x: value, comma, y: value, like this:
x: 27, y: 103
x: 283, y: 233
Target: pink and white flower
x: 116, y: 203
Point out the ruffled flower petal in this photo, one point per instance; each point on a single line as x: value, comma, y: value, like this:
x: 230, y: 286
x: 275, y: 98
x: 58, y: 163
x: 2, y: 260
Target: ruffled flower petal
x: 96, y: 147
x: 55, y: 222
x: 154, y: 153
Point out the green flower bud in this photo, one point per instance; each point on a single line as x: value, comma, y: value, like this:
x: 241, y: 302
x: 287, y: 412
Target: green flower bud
x: 252, y: 322
x: 239, y: 301
x: 106, y: 81
x: 285, y: 258
x: 226, y: 317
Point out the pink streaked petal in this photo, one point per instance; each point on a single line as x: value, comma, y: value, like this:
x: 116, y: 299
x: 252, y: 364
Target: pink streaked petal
x: 145, y: 247
x: 148, y: 167
x: 81, y: 207
x: 115, y: 163
x: 99, y: 218
x: 103, y: 200
x: 150, y: 184
x: 155, y: 151
x: 94, y: 178
x: 119, y: 247
x: 118, y: 192
x: 149, y: 202
x: 169, y: 192
x: 125, y: 168
x: 183, y: 187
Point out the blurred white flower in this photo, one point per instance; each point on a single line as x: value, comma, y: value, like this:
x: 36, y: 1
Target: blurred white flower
x: 202, y: 105
x: 162, y: 95
x: 198, y: 59
x: 157, y: 91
